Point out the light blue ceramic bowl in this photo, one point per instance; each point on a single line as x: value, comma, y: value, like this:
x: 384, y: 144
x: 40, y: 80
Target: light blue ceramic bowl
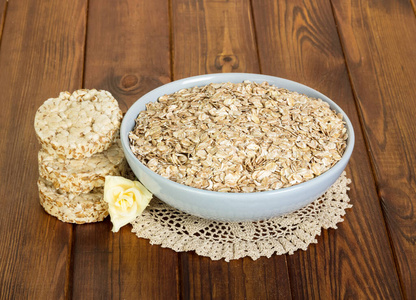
x: 231, y: 206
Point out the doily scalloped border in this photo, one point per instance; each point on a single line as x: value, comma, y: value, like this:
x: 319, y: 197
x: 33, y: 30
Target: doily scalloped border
x: 170, y: 228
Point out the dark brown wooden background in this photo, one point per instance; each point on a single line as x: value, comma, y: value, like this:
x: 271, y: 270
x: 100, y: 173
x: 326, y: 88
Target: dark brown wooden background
x: 362, y: 54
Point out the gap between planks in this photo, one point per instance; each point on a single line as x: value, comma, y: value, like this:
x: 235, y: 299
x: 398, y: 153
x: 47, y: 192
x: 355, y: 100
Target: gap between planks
x: 367, y: 146
x: 3, y: 19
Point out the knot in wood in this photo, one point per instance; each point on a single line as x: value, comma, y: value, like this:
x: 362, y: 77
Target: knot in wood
x: 226, y: 62
x: 128, y: 81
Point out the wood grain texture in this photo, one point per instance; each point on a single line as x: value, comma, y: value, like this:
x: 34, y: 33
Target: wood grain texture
x: 3, y: 8
x: 128, y: 48
x: 299, y: 41
x: 203, y: 278
x: 41, y: 54
x: 120, y: 266
x: 378, y: 38
x: 212, y: 37
x: 127, y: 54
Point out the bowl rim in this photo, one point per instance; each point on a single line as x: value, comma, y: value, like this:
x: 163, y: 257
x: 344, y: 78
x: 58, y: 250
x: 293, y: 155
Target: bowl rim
x: 193, y: 81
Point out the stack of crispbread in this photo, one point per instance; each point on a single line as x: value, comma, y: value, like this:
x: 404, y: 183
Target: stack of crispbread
x: 79, y: 134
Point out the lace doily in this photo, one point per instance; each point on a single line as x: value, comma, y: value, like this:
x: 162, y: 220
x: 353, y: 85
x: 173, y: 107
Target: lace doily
x: 166, y: 226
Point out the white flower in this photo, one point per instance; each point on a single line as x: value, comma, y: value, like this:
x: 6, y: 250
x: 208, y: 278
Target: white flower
x: 126, y: 200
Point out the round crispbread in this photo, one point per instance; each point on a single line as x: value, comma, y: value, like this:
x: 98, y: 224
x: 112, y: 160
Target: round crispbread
x: 70, y: 208
x: 78, y: 125
x: 80, y: 176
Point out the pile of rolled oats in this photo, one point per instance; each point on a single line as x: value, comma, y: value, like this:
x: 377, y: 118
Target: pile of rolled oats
x: 79, y: 135
x: 244, y: 137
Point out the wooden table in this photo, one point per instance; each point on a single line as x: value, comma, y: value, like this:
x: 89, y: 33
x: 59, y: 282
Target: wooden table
x: 362, y: 54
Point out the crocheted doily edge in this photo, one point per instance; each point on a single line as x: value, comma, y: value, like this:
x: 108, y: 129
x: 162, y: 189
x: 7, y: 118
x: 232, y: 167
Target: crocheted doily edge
x: 300, y: 239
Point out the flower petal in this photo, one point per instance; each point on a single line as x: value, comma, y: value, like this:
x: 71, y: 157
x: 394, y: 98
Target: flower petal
x: 126, y: 200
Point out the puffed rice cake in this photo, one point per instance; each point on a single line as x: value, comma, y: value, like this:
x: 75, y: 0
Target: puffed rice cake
x: 79, y: 176
x: 78, y: 125
x: 71, y: 208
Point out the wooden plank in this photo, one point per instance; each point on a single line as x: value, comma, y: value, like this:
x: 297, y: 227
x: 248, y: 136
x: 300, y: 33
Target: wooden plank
x: 379, y: 42
x: 212, y: 37
x: 35, y: 248
x: 265, y: 278
x: 128, y: 55
x: 299, y: 41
